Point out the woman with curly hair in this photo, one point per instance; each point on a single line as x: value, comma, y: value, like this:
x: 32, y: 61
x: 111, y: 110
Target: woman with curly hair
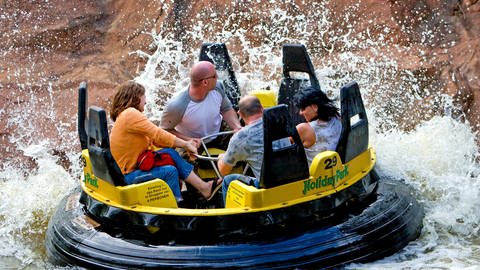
x: 132, y: 134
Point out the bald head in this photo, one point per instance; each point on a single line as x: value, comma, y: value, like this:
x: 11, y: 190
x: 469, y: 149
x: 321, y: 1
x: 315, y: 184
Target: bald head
x: 250, y: 105
x: 201, y: 70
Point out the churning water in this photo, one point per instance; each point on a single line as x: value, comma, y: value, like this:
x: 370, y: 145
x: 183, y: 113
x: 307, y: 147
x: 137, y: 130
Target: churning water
x: 436, y: 155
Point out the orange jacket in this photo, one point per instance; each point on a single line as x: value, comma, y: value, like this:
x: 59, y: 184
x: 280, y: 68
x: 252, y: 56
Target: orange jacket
x: 133, y: 133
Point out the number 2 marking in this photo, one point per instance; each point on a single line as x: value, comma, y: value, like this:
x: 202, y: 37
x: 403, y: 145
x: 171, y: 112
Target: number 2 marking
x: 330, y: 162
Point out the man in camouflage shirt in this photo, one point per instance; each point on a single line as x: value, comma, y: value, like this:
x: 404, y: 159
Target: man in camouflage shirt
x: 245, y: 145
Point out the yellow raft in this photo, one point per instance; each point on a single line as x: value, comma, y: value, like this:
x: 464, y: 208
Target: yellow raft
x: 336, y: 211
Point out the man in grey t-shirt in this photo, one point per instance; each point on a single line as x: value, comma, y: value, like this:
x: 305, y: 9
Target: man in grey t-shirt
x: 198, y: 110
x: 246, y: 145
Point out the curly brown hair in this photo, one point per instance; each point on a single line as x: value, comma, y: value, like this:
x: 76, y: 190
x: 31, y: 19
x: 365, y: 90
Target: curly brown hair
x: 128, y: 95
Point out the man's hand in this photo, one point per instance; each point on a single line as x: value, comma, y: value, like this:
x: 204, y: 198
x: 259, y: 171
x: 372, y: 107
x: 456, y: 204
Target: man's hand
x: 223, y: 167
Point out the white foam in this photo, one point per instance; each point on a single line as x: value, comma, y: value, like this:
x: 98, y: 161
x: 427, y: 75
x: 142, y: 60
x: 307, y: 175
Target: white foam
x: 27, y: 202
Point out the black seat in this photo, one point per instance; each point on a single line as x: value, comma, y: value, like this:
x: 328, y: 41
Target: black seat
x: 217, y: 54
x: 283, y: 165
x: 295, y: 59
x: 82, y: 111
x: 103, y: 163
x: 354, y: 136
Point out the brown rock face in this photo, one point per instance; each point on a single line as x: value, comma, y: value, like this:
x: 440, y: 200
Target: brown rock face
x: 49, y: 47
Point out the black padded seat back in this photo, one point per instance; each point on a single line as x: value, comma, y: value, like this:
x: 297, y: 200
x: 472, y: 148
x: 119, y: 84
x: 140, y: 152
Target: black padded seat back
x: 217, y: 54
x: 103, y: 163
x: 354, y: 136
x: 82, y: 111
x: 288, y: 88
x: 283, y: 165
x: 295, y: 59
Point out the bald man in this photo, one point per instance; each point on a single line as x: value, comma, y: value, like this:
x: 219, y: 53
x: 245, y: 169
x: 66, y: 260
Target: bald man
x: 198, y: 110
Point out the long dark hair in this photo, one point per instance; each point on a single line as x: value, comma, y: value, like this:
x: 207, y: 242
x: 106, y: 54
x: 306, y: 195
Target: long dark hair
x: 310, y: 95
x: 127, y: 95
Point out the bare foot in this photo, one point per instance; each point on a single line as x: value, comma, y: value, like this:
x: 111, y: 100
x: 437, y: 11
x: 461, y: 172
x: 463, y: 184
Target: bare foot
x: 212, y: 188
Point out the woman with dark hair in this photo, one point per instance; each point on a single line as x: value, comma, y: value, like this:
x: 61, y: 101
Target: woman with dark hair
x: 323, y: 117
x: 132, y: 134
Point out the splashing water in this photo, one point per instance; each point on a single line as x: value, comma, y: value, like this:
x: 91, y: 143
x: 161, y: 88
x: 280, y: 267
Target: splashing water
x: 428, y: 147
x: 438, y: 158
x: 27, y: 203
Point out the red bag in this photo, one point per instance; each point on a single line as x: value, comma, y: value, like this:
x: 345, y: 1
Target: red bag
x: 149, y: 159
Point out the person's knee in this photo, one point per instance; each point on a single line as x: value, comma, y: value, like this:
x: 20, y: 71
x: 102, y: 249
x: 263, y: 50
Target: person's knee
x: 255, y: 182
x: 227, y: 179
x: 171, y: 170
x: 230, y: 178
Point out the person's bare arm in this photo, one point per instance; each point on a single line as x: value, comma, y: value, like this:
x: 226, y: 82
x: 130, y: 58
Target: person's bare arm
x: 185, y: 137
x: 307, y: 134
x: 223, y: 167
x: 231, y: 119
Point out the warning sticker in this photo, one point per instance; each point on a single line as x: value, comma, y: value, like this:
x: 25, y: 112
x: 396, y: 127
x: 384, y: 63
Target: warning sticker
x: 156, y: 193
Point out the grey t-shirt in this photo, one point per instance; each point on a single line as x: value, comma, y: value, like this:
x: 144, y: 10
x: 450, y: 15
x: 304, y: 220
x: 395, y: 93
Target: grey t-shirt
x: 327, y: 135
x: 196, y: 119
x: 247, y: 145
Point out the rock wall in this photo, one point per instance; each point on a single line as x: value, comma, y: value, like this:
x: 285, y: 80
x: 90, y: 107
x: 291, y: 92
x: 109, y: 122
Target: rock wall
x: 49, y: 47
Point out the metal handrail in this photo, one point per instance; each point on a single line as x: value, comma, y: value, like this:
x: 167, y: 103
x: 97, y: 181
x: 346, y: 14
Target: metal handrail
x: 209, y: 157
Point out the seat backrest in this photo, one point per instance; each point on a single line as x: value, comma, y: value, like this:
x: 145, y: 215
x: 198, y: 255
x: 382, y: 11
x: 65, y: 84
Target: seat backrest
x: 82, y: 111
x: 286, y: 164
x: 103, y: 163
x: 217, y: 54
x: 354, y: 136
x: 295, y: 59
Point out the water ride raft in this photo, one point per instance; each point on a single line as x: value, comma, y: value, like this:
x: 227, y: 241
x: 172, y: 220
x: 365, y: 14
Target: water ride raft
x: 337, y: 211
